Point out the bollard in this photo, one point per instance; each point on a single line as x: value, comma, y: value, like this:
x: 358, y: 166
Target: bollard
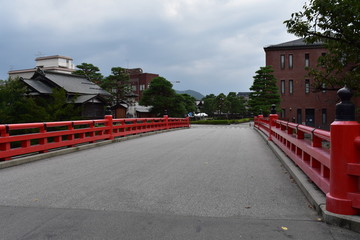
x: 344, y: 130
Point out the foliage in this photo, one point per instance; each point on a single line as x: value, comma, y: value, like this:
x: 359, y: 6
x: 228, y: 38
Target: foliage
x: 236, y: 104
x: 164, y: 100
x: 221, y: 104
x: 189, y: 102
x: 90, y: 71
x: 265, y: 92
x: 336, y: 23
x: 17, y: 107
x: 222, y: 122
x: 209, y: 104
x: 118, y: 84
x: 58, y: 107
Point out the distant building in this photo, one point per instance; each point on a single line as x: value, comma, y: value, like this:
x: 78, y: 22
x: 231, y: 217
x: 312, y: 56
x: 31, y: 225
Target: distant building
x: 56, y: 63
x: 140, y: 81
x: 300, y: 102
x: 245, y: 95
x: 55, y: 72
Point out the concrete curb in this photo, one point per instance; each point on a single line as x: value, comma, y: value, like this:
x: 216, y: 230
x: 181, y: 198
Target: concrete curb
x: 58, y: 152
x: 314, y: 195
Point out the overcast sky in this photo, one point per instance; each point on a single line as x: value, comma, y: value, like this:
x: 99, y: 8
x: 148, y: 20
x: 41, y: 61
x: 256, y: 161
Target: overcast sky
x: 210, y: 46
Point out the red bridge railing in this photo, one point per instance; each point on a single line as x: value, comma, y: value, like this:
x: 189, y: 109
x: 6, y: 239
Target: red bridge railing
x: 331, y: 159
x: 20, y: 139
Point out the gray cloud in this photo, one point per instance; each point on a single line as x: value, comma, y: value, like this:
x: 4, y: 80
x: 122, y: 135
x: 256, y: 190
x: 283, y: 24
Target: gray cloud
x: 211, y: 46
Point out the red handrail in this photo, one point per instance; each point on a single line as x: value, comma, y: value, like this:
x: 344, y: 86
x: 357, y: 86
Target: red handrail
x: 42, y: 137
x: 331, y: 159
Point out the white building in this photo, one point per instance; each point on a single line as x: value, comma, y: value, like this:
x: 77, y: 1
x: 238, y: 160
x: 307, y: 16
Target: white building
x: 56, y: 63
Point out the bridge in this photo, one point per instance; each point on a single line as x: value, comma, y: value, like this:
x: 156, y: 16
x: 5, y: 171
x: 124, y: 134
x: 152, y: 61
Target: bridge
x: 198, y: 182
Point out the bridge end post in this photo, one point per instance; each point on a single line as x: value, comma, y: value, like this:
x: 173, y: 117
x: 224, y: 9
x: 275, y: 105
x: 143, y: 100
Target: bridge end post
x: 344, y: 131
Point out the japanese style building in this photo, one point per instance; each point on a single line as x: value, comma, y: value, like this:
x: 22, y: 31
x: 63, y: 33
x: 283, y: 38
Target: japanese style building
x: 55, y: 72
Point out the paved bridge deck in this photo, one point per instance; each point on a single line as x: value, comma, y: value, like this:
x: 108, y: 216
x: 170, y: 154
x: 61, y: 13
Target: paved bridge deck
x: 207, y: 182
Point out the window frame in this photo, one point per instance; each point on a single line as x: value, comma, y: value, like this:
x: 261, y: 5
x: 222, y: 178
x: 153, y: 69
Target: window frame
x: 307, y: 60
x: 291, y: 61
x: 291, y: 86
x: 282, y: 61
x: 282, y: 86
x: 307, y: 86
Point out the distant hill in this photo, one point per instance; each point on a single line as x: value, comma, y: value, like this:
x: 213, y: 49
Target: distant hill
x: 195, y: 94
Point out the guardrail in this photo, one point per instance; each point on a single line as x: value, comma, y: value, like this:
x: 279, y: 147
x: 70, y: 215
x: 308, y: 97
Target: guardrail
x: 25, y: 138
x: 331, y: 159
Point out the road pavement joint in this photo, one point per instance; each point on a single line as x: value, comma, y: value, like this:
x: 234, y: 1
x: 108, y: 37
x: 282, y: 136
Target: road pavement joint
x: 314, y: 195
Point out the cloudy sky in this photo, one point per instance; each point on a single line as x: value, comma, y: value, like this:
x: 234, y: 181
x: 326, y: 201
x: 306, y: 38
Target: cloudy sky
x: 210, y: 46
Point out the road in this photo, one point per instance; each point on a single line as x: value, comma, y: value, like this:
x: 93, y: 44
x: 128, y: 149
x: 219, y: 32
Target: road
x: 206, y: 182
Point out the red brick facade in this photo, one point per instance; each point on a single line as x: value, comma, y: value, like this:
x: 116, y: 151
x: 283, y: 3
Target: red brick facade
x: 140, y: 81
x: 299, y: 101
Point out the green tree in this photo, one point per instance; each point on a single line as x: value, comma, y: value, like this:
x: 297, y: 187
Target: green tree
x: 118, y: 84
x: 264, y: 91
x: 163, y: 99
x: 236, y: 104
x: 209, y: 104
x: 59, y: 107
x: 91, y: 72
x: 189, y: 102
x: 16, y: 106
x: 336, y: 23
x: 222, y: 104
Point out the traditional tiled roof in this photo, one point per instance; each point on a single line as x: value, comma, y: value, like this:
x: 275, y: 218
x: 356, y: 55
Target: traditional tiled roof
x: 38, y: 86
x: 72, y: 84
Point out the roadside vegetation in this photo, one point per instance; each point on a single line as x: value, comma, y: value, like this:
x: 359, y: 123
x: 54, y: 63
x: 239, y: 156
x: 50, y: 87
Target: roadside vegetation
x: 221, y: 121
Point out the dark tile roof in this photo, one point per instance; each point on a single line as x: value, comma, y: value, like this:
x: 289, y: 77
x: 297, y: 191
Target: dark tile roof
x: 75, y: 84
x: 38, y: 86
x: 299, y: 43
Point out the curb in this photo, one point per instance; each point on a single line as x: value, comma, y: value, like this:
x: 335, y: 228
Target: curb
x: 314, y: 195
x: 36, y: 157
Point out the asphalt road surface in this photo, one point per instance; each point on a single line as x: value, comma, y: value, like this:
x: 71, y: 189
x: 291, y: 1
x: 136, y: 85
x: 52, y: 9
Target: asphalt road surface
x: 207, y: 182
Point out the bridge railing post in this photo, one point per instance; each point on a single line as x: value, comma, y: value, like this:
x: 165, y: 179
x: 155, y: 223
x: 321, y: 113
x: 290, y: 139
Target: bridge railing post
x: 109, y: 124
x: 166, y: 119
x: 272, y: 118
x: 344, y: 181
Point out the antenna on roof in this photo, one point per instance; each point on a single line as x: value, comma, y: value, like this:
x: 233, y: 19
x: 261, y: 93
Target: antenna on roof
x: 39, y: 54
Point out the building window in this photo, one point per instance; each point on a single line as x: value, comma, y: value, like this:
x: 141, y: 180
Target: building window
x: 290, y: 61
x: 282, y: 61
x: 282, y: 86
x: 291, y: 86
x: 299, y: 116
x: 142, y: 87
x: 323, y: 87
x: 307, y: 60
x: 282, y: 114
x: 323, y: 116
x: 307, y: 86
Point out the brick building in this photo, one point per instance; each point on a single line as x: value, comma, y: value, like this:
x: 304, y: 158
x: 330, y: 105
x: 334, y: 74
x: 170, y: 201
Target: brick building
x: 300, y: 102
x: 140, y: 81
